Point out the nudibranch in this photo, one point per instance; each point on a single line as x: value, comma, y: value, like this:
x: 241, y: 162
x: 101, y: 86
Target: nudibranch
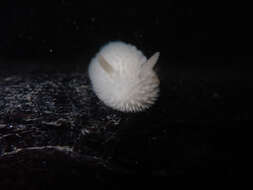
x: 123, y: 78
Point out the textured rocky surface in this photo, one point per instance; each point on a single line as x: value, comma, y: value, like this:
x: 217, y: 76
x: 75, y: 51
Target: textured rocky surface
x: 54, y: 132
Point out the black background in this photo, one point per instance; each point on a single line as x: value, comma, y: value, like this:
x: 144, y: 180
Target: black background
x: 200, y: 33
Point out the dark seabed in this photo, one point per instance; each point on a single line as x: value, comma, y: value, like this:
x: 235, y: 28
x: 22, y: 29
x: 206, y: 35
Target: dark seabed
x: 55, y: 132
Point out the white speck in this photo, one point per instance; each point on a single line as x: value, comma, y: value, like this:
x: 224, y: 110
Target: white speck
x: 85, y: 131
x: 216, y: 95
x: 93, y: 19
x: 20, y: 35
x: 75, y: 22
x: 29, y: 37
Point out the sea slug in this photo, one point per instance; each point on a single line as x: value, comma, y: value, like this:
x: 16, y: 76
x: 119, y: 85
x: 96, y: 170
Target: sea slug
x: 123, y: 78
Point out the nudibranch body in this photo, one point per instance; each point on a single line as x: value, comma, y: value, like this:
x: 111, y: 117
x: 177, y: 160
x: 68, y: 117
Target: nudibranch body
x: 123, y: 78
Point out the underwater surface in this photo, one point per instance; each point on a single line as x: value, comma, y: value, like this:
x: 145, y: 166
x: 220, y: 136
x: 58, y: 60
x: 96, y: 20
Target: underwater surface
x: 54, y: 131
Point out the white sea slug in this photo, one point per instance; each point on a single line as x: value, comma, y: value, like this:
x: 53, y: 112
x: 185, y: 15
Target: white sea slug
x: 123, y: 78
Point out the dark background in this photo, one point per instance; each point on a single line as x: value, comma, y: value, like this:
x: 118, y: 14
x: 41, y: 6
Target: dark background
x: 202, y: 33
x: 206, y: 53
